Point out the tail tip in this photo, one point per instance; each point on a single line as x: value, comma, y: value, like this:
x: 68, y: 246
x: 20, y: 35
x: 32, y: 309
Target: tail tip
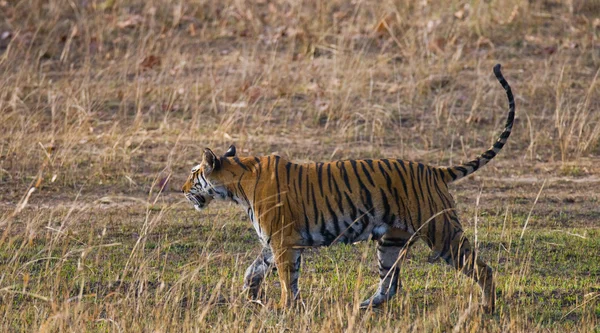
x: 497, y: 69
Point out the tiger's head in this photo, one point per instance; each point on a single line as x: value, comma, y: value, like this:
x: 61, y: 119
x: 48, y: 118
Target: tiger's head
x: 204, y: 182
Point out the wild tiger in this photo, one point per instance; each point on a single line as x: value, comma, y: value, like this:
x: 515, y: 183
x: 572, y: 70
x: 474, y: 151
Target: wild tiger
x: 293, y: 206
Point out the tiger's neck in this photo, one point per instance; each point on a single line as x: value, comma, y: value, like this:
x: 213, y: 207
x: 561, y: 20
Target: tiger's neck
x: 256, y: 181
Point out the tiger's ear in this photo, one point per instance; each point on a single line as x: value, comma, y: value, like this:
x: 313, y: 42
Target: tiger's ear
x: 210, y: 161
x: 230, y: 152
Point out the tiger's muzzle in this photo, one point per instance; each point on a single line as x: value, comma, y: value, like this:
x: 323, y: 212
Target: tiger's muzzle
x: 199, y: 201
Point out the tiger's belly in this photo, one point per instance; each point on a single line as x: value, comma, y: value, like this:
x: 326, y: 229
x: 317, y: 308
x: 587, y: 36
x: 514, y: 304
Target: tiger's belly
x: 329, y: 234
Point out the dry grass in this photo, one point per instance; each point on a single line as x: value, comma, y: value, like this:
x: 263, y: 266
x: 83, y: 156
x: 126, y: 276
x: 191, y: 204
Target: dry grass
x: 105, y: 105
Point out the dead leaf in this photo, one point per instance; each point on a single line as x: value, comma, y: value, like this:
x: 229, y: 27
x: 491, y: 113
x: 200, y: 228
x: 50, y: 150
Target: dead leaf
x: 393, y: 88
x: 313, y: 87
x: 254, y: 93
x: 150, y: 62
x: 322, y: 105
x: 462, y: 13
x: 192, y: 30
x: 549, y: 50
x: 437, y: 44
x: 296, y: 33
x: 339, y: 15
x: 383, y: 26
x: 473, y: 119
x: 130, y: 22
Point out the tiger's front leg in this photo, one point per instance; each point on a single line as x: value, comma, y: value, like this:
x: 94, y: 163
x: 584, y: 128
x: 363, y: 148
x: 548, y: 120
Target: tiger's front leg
x: 288, y: 261
x: 256, y: 272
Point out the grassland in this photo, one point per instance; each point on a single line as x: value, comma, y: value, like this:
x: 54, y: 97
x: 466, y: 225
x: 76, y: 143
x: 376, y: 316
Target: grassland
x: 106, y: 105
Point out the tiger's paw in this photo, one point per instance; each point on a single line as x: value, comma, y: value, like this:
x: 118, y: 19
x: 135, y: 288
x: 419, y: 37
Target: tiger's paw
x: 374, y: 301
x: 252, y: 292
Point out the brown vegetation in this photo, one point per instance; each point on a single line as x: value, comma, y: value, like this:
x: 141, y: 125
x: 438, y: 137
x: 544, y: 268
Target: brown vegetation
x: 106, y: 105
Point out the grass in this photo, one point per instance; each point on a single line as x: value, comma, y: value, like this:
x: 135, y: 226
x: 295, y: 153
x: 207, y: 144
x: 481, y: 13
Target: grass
x: 106, y: 105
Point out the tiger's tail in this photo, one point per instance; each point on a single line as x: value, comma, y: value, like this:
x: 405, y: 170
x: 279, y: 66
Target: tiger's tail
x: 460, y: 171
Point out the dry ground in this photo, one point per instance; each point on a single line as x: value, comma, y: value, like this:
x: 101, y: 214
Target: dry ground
x: 106, y: 105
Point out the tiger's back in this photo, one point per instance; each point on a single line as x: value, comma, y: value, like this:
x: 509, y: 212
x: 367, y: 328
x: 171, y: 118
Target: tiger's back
x: 352, y: 200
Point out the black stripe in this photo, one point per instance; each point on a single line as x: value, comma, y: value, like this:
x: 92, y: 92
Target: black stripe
x: 386, y: 207
x: 364, y: 218
x: 329, y: 176
x: 327, y: 236
x: 461, y: 169
x: 315, y: 208
x: 348, y: 232
x: 258, y: 166
x: 405, y: 188
x: 418, y: 205
x: 488, y: 154
x: 367, y: 201
x: 353, y: 210
x: 300, y: 178
x: 441, y: 194
x: 422, y: 174
x: 338, y: 197
x: 367, y: 173
x: 204, y: 180
x: 320, y: 177
x: 334, y: 218
x: 388, y: 179
x: 358, y: 178
x: 288, y: 165
x: 451, y: 173
x: 277, y: 158
x: 404, y: 213
x: 241, y: 191
x: 386, y: 243
x: 309, y: 238
x: 387, y: 163
x: 298, y: 196
x: 308, y: 182
x: 237, y: 160
x: 428, y: 183
x: 345, y: 175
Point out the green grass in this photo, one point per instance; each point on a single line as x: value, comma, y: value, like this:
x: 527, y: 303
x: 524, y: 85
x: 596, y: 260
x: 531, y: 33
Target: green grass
x: 188, y: 263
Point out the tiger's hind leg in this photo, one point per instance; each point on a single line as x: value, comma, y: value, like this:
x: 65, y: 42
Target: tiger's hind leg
x: 452, y: 246
x: 388, y: 251
x: 255, y: 273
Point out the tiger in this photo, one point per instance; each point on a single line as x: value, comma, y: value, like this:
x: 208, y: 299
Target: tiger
x: 294, y: 206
